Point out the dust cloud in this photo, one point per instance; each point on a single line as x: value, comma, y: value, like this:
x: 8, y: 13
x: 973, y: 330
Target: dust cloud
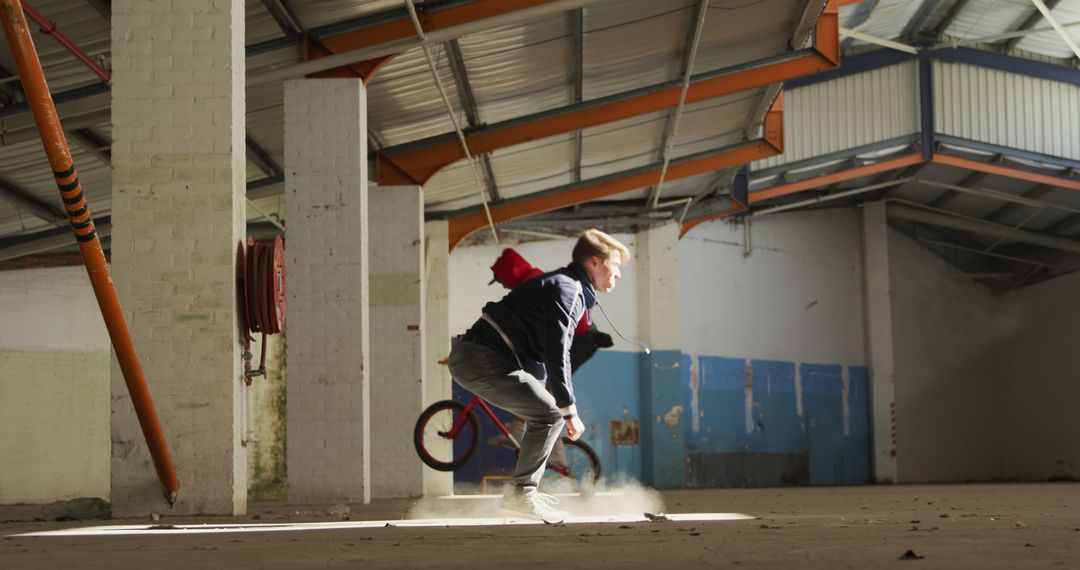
x: 610, y: 498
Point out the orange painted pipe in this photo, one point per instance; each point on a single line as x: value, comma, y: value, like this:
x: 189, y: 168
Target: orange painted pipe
x: 418, y: 165
x: 67, y: 179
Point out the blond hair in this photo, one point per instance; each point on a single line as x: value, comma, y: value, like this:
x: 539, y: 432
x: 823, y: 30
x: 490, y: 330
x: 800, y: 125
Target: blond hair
x: 594, y: 242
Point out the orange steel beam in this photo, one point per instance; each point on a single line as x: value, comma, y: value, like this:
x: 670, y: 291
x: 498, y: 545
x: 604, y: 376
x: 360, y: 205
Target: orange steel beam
x: 67, y: 180
x: 737, y: 207
x: 771, y: 144
x: 417, y: 162
x: 998, y: 170
x: 401, y: 28
x: 827, y: 179
x: 816, y: 182
x: 366, y: 70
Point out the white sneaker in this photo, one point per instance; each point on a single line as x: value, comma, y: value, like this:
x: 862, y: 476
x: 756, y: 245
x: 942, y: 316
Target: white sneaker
x: 534, y: 505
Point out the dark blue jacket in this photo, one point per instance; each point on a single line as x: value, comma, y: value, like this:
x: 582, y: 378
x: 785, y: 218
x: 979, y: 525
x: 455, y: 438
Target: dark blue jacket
x: 539, y: 317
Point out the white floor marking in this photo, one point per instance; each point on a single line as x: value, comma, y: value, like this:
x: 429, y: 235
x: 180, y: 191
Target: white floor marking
x: 170, y: 529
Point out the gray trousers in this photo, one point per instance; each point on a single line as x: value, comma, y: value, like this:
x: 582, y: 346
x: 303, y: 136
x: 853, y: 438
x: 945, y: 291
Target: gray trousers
x: 497, y: 378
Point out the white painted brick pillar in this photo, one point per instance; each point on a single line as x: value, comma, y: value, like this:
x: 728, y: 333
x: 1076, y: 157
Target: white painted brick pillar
x: 437, y: 381
x: 397, y: 338
x: 328, y: 455
x: 178, y: 213
x: 656, y: 261
x: 880, y: 339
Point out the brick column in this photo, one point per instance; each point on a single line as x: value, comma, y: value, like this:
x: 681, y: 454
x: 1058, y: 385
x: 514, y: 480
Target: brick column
x: 326, y: 202
x: 178, y: 214
x: 397, y: 339
x: 436, y: 336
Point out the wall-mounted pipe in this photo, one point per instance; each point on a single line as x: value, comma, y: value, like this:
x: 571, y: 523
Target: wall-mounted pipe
x: 50, y: 28
x: 67, y: 180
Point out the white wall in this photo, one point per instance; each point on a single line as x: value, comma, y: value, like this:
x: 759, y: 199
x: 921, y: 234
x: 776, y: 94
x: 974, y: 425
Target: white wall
x: 797, y: 297
x: 1042, y: 390
x: 949, y: 337
x: 470, y: 272
x: 54, y: 388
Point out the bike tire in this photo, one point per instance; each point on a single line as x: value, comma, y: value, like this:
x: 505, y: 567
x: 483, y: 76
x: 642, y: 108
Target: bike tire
x: 430, y: 431
x: 586, y: 457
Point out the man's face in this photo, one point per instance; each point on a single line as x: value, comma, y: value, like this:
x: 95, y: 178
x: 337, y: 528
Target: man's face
x: 604, y: 273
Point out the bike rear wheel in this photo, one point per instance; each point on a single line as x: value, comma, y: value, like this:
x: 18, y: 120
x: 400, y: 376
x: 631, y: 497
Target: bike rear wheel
x: 431, y: 436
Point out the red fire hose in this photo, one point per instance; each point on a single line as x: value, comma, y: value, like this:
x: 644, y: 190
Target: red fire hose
x: 260, y: 289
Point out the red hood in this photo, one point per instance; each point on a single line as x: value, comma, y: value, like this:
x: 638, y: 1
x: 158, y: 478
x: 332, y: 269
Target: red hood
x: 511, y: 269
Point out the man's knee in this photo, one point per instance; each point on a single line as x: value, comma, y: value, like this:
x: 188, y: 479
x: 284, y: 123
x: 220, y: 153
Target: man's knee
x: 549, y: 417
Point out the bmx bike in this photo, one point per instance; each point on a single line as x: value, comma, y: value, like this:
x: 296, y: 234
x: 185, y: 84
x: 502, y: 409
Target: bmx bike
x: 447, y: 434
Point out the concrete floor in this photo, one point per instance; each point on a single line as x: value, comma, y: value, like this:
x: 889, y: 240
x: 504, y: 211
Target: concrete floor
x: 950, y: 526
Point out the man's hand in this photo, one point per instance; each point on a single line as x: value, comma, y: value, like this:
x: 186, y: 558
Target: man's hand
x: 574, y: 428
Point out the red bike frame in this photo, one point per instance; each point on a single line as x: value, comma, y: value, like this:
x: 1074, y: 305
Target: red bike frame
x: 459, y: 424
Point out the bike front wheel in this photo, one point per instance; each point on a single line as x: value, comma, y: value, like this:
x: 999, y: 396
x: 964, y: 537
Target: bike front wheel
x: 579, y: 470
x: 433, y: 441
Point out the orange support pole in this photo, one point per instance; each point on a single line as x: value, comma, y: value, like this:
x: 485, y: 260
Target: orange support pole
x: 52, y: 136
x: 417, y: 162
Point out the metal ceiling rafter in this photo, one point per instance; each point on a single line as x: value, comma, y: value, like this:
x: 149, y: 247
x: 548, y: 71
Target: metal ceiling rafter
x: 949, y: 18
x: 674, y: 117
x: 579, y: 82
x: 103, y: 7
x: 32, y: 204
x: 1034, y: 18
x: 1002, y: 212
x: 93, y: 143
x: 465, y: 222
x: 922, y: 16
x: 419, y: 29
x: 943, y: 199
x: 472, y: 112
x: 265, y: 162
x: 283, y: 14
x: 1046, y: 12
x: 366, y: 44
x: 416, y: 162
x: 861, y: 15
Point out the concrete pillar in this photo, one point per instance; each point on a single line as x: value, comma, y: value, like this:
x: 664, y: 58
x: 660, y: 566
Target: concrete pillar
x: 880, y: 340
x: 656, y: 264
x: 656, y: 261
x: 437, y: 382
x: 397, y: 339
x: 177, y: 217
x: 327, y: 344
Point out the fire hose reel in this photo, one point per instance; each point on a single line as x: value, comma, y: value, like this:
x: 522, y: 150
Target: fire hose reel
x: 260, y: 290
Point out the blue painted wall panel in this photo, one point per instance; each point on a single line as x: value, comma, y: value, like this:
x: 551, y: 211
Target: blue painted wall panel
x: 823, y: 405
x: 859, y: 449
x: 716, y: 405
x: 663, y: 416
x: 607, y: 388
x: 777, y: 426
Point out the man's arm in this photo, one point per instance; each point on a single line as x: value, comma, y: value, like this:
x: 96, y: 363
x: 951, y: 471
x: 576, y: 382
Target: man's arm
x: 558, y: 335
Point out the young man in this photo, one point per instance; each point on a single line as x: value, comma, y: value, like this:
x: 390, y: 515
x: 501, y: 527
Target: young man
x: 523, y: 339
